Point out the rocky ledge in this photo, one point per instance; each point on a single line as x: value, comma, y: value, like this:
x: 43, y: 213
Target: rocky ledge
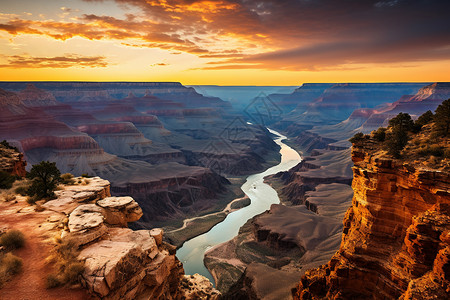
x: 120, y: 263
x: 396, y: 234
x: 11, y: 161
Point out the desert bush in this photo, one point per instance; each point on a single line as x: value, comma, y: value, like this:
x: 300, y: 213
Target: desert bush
x: 67, y: 266
x: 11, y: 264
x: 46, y: 177
x: 12, y: 239
x: 52, y: 281
x: 31, y: 200
x: 67, y: 178
x: 86, y: 175
x: 6, y: 180
x: 72, y: 271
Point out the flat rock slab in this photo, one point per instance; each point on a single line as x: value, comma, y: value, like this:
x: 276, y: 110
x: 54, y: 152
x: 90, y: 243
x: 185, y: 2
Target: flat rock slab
x: 85, y: 217
x: 115, y: 202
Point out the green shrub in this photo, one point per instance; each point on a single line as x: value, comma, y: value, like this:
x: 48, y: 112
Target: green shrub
x: 86, y: 175
x: 6, y: 180
x: 357, y: 138
x: 380, y: 134
x: 11, y: 264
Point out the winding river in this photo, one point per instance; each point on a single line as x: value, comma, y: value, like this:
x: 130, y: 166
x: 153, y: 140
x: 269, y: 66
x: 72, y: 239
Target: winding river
x: 262, y: 197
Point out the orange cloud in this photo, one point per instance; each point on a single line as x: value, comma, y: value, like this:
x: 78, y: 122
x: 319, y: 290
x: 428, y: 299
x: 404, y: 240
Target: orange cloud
x: 268, y: 34
x: 68, y: 61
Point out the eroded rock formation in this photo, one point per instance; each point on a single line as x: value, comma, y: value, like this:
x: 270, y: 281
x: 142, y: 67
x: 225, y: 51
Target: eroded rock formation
x: 396, y: 234
x: 11, y: 161
x: 120, y: 263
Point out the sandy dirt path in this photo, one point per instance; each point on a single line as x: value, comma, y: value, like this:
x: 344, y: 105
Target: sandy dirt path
x: 30, y: 283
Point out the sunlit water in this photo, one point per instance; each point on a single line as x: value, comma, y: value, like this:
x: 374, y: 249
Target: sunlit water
x: 262, y: 197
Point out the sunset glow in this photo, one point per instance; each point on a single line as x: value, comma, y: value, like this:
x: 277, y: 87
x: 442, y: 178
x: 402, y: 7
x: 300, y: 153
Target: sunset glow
x: 225, y: 42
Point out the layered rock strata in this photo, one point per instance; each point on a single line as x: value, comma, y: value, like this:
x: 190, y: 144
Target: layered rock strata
x: 11, y: 161
x: 396, y: 234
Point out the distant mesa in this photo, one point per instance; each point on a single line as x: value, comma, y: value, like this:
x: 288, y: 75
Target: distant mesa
x: 33, y: 96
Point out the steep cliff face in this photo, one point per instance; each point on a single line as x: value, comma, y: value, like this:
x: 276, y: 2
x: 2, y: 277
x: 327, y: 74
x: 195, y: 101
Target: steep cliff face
x: 11, y: 161
x: 396, y: 234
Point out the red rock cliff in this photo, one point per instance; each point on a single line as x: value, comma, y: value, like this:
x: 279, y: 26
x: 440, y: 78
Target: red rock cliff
x: 396, y: 239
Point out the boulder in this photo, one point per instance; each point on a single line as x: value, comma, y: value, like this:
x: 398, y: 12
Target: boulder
x: 120, y: 210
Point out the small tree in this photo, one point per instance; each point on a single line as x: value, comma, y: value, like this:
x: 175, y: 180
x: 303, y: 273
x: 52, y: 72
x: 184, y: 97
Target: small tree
x: 424, y: 119
x: 379, y: 134
x: 396, y: 141
x: 46, y: 177
x: 402, y: 122
x: 357, y: 137
x: 6, y: 180
x: 442, y: 118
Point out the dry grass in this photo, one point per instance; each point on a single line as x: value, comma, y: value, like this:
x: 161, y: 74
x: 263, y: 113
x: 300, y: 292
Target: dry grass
x: 10, y: 265
x: 67, y: 266
x: 8, y: 196
x: 12, y: 239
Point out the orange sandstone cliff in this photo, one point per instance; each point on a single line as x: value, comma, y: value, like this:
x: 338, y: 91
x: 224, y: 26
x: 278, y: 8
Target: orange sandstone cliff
x: 396, y: 238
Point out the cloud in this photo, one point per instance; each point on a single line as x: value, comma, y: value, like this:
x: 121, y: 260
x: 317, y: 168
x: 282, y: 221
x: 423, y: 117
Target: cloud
x: 159, y: 65
x: 267, y: 34
x: 67, y: 61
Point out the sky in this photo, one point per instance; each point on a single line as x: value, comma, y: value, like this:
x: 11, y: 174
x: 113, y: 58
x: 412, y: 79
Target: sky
x: 225, y: 42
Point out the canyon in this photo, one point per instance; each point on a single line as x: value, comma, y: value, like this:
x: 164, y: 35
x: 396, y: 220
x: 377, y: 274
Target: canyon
x: 304, y: 231
x: 395, y: 237
x: 179, y: 155
x: 170, y: 153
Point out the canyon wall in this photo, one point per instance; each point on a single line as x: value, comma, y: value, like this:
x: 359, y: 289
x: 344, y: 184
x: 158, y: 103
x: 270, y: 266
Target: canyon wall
x: 395, y: 241
x: 11, y: 161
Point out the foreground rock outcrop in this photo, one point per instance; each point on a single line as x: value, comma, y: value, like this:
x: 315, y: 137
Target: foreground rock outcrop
x: 396, y: 233
x: 119, y: 263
